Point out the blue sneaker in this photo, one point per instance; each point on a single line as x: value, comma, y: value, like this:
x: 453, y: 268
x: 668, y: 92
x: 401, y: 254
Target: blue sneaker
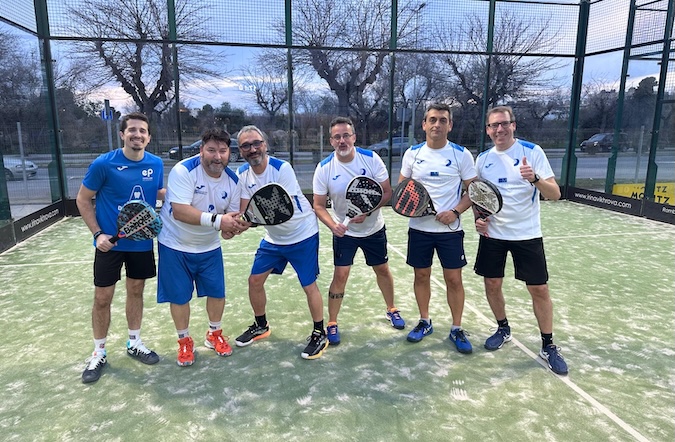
x: 496, y: 341
x: 333, y: 333
x: 458, y: 337
x: 551, y: 354
x: 422, y: 329
x: 394, y: 317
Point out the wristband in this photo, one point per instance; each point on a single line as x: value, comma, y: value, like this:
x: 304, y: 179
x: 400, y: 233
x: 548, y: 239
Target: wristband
x: 205, y: 219
x: 455, y: 212
x: 216, y: 223
x: 97, y: 234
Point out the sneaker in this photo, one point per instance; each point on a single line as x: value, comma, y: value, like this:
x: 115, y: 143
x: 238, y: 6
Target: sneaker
x: 551, y: 354
x: 142, y: 353
x: 318, y: 342
x: 216, y: 341
x: 95, y: 364
x: 422, y: 329
x: 253, y: 333
x: 186, y: 351
x: 394, y: 317
x: 333, y: 333
x: 496, y: 341
x: 458, y: 337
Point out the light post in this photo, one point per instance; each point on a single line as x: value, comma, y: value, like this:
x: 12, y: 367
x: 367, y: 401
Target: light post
x: 411, y: 127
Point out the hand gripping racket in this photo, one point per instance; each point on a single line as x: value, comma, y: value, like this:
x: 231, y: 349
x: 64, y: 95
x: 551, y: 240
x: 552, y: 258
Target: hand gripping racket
x: 269, y: 206
x: 137, y: 221
x: 485, y: 197
x: 411, y: 199
x: 363, y: 196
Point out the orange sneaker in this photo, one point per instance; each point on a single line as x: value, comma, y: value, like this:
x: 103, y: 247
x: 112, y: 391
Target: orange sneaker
x: 186, y: 351
x: 218, y: 342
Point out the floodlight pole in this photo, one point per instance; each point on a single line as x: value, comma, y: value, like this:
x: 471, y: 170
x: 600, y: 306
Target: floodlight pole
x: 411, y: 127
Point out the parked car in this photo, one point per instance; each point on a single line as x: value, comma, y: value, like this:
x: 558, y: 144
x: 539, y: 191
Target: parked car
x: 193, y: 149
x: 603, y: 143
x: 399, y: 145
x: 14, y: 168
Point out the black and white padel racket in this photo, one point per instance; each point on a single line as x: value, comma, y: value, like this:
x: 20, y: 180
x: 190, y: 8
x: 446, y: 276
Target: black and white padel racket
x: 485, y: 197
x: 137, y: 221
x: 269, y: 206
x: 363, y: 195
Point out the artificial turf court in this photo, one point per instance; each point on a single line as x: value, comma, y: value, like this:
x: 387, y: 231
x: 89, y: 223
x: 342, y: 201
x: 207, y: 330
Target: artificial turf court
x: 612, y: 282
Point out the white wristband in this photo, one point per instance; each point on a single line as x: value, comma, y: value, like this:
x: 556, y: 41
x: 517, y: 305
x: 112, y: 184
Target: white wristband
x: 216, y: 224
x: 205, y: 219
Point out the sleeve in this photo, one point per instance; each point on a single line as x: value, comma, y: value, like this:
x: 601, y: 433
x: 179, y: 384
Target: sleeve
x: 95, y: 176
x: 288, y: 180
x: 235, y: 199
x: 319, y: 186
x: 181, y: 185
x: 468, y: 170
x: 380, y: 173
x: 406, y: 163
x: 542, y: 166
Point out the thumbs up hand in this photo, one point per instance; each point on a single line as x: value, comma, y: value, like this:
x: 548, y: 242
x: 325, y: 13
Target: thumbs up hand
x: 526, y: 171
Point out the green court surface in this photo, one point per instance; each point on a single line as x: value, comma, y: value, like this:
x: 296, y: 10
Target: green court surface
x: 612, y: 283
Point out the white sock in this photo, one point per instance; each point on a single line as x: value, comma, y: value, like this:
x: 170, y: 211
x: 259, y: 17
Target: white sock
x: 134, y: 337
x: 183, y: 333
x: 455, y: 327
x: 213, y: 326
x: 99, y: 345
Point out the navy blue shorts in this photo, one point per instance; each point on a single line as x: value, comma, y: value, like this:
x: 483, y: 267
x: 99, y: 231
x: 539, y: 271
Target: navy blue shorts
x: 449, y: 247
x: 374, y: 248
x: 303, y: 256
x: 180, y: 272
x: 108, y: 266
x: 528, y: 256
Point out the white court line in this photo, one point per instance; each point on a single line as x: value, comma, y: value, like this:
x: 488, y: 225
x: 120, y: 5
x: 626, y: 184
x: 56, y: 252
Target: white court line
x: 565, y: 379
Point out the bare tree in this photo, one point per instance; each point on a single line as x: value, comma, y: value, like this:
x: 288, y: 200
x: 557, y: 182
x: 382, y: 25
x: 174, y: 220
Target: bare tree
x: 128, y: 44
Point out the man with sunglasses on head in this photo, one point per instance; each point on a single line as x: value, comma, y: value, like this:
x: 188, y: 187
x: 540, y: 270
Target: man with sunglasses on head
x: 443, y: 168
x: 522, y: 173
x: 331, y: 178
x: 295, y: 241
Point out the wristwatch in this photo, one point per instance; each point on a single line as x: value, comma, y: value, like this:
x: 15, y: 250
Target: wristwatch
x: 536, y: 179
x: 456, y: 212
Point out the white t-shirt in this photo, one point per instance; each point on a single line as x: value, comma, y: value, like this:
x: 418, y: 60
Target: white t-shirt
x: 190, y: 184
x: 332, y: 176
x: 519, y: 218
x: 304, y: 223
x: 442, y: 172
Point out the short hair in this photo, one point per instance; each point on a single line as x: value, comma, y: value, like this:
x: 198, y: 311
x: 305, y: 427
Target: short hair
x: 438, y: 107
x: 499, y: 109
x: 133, y: 116
x: 342, y: 120
x: 216, y: 134
x: 252, y: 128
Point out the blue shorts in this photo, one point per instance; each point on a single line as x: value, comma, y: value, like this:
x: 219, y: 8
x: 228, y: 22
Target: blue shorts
x: 449, y: 247
x: 374, y: 249
x: 303, y: 256
x: 529, y: 260
x: 179, y: 273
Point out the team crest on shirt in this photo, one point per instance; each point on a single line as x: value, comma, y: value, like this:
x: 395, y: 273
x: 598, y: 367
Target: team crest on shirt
x: 502, y: 180
x: 200, y: 190
x: 449, y: 163
x: 223, y: 195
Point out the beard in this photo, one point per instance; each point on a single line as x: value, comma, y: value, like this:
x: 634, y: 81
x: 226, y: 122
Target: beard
x: 213, y: 168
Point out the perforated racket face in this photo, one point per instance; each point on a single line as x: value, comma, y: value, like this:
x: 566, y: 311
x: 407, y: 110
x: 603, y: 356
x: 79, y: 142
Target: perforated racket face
x: 138, y: 221
x: 363, y: 195
x: 270, y: 205
x: 486, y: 197
x: 411, y: 199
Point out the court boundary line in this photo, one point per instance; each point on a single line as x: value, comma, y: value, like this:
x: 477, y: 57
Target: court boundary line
x: 565, y: 379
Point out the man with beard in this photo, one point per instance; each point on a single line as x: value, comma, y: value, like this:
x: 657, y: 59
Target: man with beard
x: 295, y: 241
x: 202, y: 199
x: 367, y: 232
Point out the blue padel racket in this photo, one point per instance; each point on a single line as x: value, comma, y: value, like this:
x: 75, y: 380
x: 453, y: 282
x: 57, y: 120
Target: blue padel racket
x: 137, y: 221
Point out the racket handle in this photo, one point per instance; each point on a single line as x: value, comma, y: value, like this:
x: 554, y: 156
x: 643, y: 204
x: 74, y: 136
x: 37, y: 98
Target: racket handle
x: 346, y: 223
x: 114, y: 239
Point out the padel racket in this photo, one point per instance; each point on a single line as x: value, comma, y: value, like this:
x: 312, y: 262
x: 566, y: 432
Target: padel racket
x: 363, y: 195
x: 269, y: 206
x: 137, y: 221
x: 485, y: 197
x: 411, y: 199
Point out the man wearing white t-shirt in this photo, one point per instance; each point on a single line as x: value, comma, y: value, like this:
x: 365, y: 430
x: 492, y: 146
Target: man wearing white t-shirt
x: 367, y: 232
x: 296, y: 241
x: 522, y: 173
x: 202, y: 199
x: 444, y: 168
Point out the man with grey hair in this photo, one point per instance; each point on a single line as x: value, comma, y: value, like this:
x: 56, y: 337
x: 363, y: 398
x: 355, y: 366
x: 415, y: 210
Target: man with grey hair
x: 295, y: 241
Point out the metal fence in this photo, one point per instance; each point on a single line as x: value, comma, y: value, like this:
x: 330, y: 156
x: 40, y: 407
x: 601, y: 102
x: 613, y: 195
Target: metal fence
x: 590, y: 81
